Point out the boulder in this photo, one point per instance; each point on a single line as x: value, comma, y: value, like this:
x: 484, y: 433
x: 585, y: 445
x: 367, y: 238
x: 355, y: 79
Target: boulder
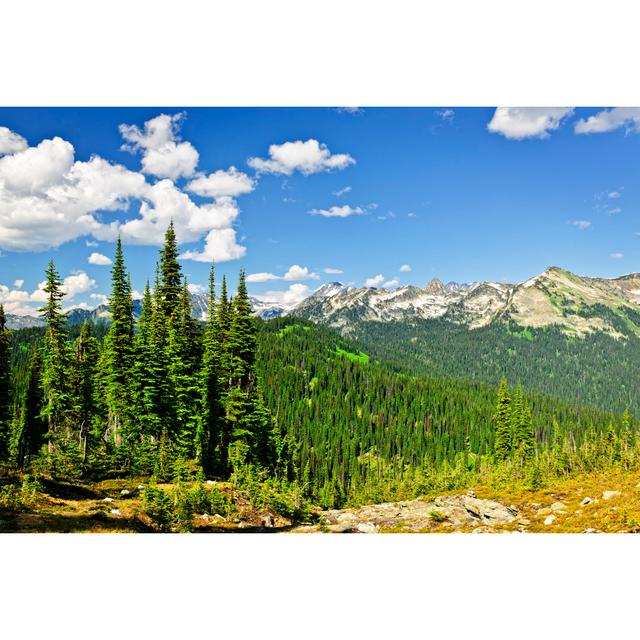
x: 550, y: 519
x: 366, y: 527
x: 125, y: 492
x: 607, y: 495
x: 107, y: 500
x: 586, y: 501
x: 558, y: 506
x: 115, y: 512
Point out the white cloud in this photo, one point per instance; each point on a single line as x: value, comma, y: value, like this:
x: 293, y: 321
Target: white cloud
x: 47, y: 198
x: 376, y: 281
x: 411, y: 214
x: 617, y: 256
x: 517, y: 123
x: 220, y: 245
x: 614, y: 194
x: 99, y: 259
x: 162, y: 153
x: 11, y: 142
x: 18, y: 283
x: 196, y: 288
x: 350, y: 110
x: 341, y: 192
x: 306, y: 157
x: 220, y: 183
x: 262, y: 276
x: 392, y: 283
x: 296, y: 272
x: 610, y: 120
x: 338, y: 212
x: 293, y: 295
x: 101, y: 298
x: 405, y: 267
x: 580, y: 224
x: 22, y: 302
x: 614, y: 210
x: 332, y: 271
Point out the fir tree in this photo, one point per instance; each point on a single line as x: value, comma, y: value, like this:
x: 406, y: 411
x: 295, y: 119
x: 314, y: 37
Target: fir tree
x: 87, y: 356
x: 503, y: 434
x: 55, y: 365
x: 118, y: 349
x: 6, y: 391
x: 32, y: 426
x: 211, y: 411
x: 170, y: 274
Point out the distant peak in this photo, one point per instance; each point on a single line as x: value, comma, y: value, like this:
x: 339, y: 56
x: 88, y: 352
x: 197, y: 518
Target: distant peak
x: 435, y: 286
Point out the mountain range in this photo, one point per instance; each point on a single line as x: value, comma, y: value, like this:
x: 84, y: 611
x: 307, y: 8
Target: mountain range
x: 578, y: 305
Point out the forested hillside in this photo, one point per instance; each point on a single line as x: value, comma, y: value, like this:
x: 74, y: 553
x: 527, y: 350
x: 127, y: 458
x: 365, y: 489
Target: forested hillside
x: 596, y: 369
x: 369, y: 433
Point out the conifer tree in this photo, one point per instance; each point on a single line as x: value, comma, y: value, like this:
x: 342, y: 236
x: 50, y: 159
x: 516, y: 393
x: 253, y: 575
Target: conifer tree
x: 503, y: 436
x: 6, y: 391
x: 525, y: 436
x: 170, y: 274
x: 55, y: 364
x: 242, y: 337
x: 210, y: 425
x: 32, y: 426
x: 118, y: 349
x: 87, y: 356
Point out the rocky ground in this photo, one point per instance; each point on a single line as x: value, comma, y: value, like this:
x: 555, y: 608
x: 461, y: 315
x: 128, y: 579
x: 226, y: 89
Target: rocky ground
x: 589, y: 504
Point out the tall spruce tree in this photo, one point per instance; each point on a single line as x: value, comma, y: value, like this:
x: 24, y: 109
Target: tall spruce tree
x: 170, y: 274
x: 55, y: 362
x: 85, y: 370
x: 211, y: 411
x: 32, y: 425
x: 503, y: 434
x: 6, y: 392
x: 118, y: 351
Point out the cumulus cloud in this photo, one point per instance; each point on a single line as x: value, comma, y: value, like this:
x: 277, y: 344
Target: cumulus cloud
x: 48, y: 198
x: 392, y: 283
x: 293, y: 295
x: 296, y: 272
x: 99, y: 259
x: 375, y: 281
x: 232, y: 183
x: 163, y: 155
x: 22, y: 302
x: 580, y: 224
x: 517, y: 123
x: 101, y: 298
x: 220, y: 245
x: 332, y: 271
x: 617, y: 255
x: 306, y: 157
x: 11, y: 142
x: 338, y: 212
x: 405, y: 267
x: 18, y: 283
x: 262, y: 276
x: 610, y: 120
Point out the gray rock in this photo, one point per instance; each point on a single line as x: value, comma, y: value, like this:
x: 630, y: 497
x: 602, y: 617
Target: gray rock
x: 125, y: 492
x: 558, y: 506
x: 607, y: 495
x: 550, y: 519
x: 268, y: 521
x: 586, y: 501
x: 366, y: 527
x: 107, y: 500
x: 115, y: 512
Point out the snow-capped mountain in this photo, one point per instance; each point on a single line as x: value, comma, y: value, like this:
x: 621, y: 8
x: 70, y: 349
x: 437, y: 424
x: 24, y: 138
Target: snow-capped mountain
x: 577, y: 304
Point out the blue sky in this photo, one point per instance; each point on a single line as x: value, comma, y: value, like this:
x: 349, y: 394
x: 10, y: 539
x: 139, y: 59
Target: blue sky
x: 459, y: 194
